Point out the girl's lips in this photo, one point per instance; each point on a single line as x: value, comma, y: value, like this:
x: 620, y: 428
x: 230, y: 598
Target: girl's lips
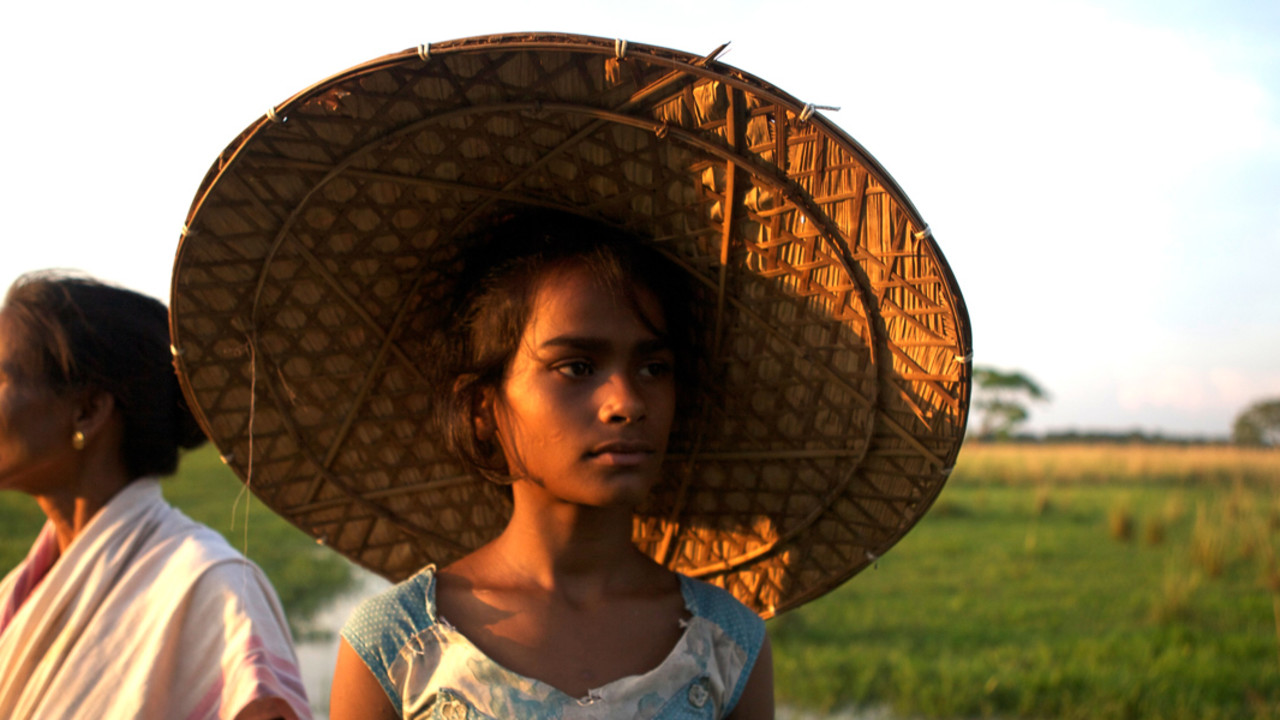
x: 621, y: 453
x: 621, y: 458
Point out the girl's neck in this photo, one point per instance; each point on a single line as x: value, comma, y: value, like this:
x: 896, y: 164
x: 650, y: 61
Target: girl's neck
x: 561, y: 546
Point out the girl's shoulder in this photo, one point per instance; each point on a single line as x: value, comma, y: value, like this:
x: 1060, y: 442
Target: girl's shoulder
x: 384, y: 623
x: 720, y: 607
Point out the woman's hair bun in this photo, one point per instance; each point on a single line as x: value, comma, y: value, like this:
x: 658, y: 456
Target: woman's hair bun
x: 190, y: 434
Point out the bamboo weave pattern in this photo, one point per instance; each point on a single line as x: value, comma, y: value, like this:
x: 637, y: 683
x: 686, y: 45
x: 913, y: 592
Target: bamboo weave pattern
x: 838, y: 387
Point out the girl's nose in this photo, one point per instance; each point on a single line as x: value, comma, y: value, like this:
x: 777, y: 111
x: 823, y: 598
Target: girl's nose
x: 621, y: 400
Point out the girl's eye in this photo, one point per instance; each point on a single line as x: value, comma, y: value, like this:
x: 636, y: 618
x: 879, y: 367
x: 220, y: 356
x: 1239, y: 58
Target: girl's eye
x: 574, y: 369
x: 655, y: 369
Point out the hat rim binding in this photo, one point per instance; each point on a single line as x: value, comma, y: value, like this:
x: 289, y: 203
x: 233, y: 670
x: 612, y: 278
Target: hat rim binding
x: 704, y: 68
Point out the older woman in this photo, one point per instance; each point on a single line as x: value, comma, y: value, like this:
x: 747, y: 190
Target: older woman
x: 124, y: 607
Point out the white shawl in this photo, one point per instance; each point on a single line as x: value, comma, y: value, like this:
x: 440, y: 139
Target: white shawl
x: 147, y: 614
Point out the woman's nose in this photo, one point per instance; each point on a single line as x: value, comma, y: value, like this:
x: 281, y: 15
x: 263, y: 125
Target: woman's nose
x: 621, y: 400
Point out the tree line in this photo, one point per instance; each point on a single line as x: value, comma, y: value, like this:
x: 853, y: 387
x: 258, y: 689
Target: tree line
x: 1002, y: 402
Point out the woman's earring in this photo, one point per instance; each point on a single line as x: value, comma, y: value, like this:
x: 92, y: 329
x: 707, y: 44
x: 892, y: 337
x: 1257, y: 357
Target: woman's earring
x: 77, y: 440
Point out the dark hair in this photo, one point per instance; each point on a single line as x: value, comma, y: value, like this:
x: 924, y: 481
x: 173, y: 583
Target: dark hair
x: 502, y: 269
x: 80, y: 334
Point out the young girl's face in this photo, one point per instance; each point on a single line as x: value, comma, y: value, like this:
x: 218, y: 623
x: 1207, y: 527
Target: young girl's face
x: 587, y: 403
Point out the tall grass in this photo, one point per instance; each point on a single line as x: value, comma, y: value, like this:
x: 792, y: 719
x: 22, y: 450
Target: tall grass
x: 1209, y: 543
x: 1014, y: 599
x: 1071, y: 464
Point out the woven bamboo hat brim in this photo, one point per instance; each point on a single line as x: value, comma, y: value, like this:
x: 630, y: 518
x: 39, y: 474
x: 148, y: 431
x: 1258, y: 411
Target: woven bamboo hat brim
x: 838, y: 385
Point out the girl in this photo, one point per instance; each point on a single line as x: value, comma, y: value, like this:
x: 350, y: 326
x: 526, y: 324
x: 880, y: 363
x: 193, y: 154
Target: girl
x: 315, y: 331
x: 568, y: 349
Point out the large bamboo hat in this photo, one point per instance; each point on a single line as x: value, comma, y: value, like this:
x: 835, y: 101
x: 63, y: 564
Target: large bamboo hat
x: 838, y: 384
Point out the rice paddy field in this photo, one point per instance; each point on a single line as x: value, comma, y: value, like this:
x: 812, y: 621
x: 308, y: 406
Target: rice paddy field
x: 1048, y: 581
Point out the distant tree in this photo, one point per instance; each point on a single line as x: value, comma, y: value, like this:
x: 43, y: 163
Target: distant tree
x: 1001, y: 400
x: 1259, y: 424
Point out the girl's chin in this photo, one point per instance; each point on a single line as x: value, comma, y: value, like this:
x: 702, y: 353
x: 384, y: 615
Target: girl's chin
x: 621, y: 486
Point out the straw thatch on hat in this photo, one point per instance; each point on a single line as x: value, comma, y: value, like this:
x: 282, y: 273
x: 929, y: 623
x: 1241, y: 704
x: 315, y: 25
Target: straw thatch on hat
x: 839, y: 380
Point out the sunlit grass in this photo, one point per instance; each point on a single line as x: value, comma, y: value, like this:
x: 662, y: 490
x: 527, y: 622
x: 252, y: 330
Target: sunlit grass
x: 1069, y: 464
x: 1015, y: 598
x: 1120, y: 520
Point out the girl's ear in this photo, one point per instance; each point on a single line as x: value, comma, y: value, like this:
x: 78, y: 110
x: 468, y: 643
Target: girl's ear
x: 481, y: 406
x: 482, y: 416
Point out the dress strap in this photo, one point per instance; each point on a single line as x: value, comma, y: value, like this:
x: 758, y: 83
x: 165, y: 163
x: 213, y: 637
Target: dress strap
x: 385, y: 624
x: 736, y: 620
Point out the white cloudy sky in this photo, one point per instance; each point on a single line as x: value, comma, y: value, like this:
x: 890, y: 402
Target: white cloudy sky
x: 1102, y: 176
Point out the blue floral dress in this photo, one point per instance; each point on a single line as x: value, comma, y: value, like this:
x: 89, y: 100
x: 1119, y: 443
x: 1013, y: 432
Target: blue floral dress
x: 430, y: 670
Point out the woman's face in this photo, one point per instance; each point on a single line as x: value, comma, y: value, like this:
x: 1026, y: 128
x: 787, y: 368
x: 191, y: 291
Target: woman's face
x: 35, y: 422
x: 587, y: 403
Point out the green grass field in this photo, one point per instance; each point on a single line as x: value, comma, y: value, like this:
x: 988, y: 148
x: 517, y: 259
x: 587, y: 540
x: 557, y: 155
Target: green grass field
x: 1062, y: 582
x: 1047, y: 582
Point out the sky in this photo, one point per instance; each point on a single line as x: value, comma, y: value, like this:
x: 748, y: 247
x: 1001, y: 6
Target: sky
x: 1101, y: 176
